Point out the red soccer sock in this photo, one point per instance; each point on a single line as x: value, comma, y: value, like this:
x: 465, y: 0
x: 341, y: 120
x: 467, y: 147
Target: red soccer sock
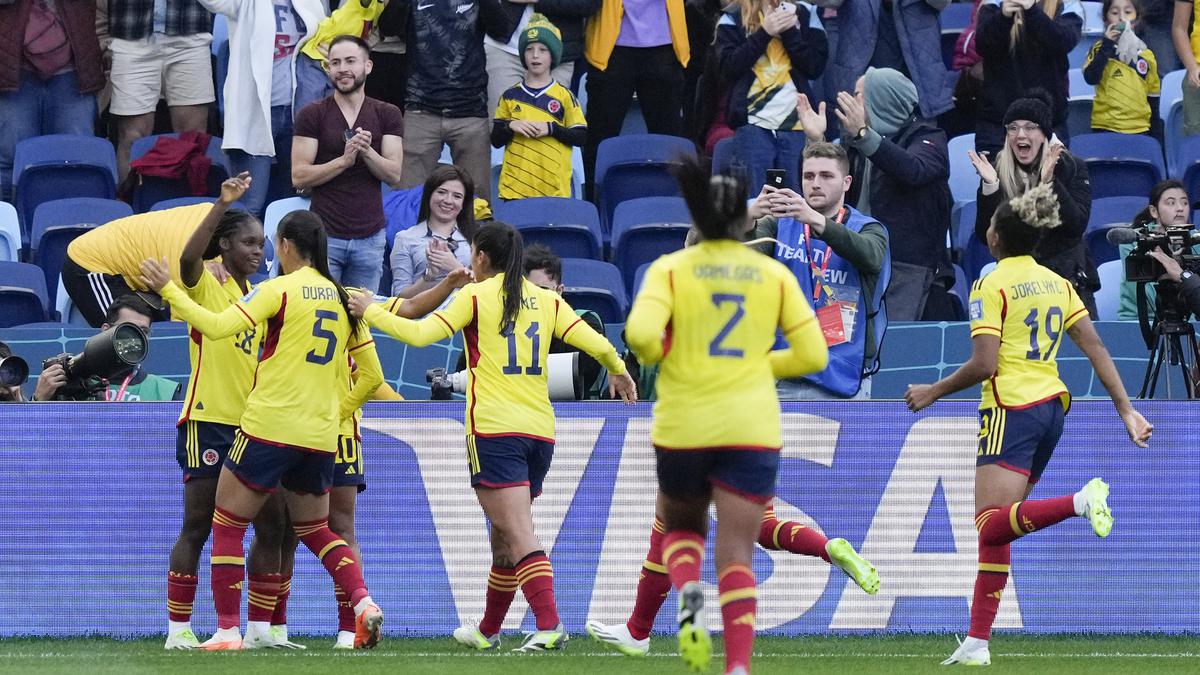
x: 336, y: 555
x: 536, y: 578
x: 653, y: 586
x: 181, y: 595
x: 683, y: 552
x: 345, y: 610
x: 279, y: 617
x: 788, y: 535
x: 228, y: 566
x: 738, y: 606
x: 1013, y: 521
x: 501, y: 589
x: 261, y: 595
x: 989, y: 585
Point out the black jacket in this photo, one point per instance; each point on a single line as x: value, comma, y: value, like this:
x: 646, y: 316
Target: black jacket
x: 566, y: 15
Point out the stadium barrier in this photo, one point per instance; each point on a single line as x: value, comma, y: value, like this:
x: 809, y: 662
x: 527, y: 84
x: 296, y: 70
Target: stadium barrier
x: 92, y: 503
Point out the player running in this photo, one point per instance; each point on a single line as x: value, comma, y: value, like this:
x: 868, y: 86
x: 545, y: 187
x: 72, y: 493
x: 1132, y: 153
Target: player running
x: 507, y: 325
x: 710, y: 313
x: 288, y: 432
x: 1019, y: 314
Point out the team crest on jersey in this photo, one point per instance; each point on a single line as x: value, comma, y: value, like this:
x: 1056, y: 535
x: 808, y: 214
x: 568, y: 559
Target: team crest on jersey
x: 554, y: 107
x: 1142, y: 66
x: 210, y: 457
x: 976, y: 310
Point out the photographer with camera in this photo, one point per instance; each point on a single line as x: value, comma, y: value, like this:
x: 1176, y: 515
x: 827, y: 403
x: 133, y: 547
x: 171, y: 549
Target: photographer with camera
x: 1169, y: 209
x: 13, y: 373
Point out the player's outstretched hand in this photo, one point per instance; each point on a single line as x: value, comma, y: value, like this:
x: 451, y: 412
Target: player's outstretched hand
x: 622, y: 386
x: 155, y: 274
x: 1137, y: 426
x: 217, y: 270
x: 233, y: 188
x: 359, y: 302
x: 459, y: 277
x: 919, y: 396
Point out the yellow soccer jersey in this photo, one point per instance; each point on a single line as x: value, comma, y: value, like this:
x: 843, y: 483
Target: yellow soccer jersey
x: 120, y: 246
x: 1121, y: 103
x: 710, y: 314
x: 349, y: 19
x: 538, y: 167
x: 296, y: 398
x: 222, y: 370
x: 1030, y: 309
x: 506, y: 374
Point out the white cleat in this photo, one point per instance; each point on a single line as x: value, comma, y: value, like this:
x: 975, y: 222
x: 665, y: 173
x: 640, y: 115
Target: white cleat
x: 184, y: 639
x: 970, y: 652
x: 469, y: 636
x: 345, y: 640
x: 259, y: 638
x: 738, y: 671
x: 544, y: 640
x: 225, y: 639
x: 280, y: 633
x: 618, y: 637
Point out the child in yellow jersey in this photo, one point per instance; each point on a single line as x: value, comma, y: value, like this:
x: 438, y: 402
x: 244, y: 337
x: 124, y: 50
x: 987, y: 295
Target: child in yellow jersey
x: 507, y: 324
x: 539, y: 121
x: 710, y: 314
x: 1019, y: 316
x: 1125, y: 75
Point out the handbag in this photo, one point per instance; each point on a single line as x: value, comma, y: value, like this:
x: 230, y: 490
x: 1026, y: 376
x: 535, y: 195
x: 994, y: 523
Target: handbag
x: 47, y: 49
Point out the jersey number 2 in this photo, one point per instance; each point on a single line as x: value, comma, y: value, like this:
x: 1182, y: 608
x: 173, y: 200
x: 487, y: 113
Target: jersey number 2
x: 1054, y: 324
x: 717, y: 346
x: 322, y: 333
x: 513, y: 368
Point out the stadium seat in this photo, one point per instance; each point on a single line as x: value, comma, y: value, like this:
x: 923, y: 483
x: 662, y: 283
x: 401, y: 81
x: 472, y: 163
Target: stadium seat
x: 637, y: 165
x: 975, y: 259
x: 57, y: 223
x: 57, y: 166
x: 963, y: 221
x: 65, y: 307
x: 1093, y: 20
x: 1078, y: 55
x: 1079, y: 116
x: 152, y: 190
x: 644, y: 229
x: 177, y: 202
x: 723, y: 157
x: 595, y: 285
x: 956, y: 16
x: 1174, y: 140
x: 638, y: 277
x: 220, y: 52
x: 1108, y: 298
x: 22, y: 294
x: 10, y: 233
x: 1097, y: 243
x: 964, y: 182
x: 1171, y: 92
x: 1115, y: 210
x: 279, y: 208
x: 961, y: 289
x: 949, y: 41
x: 570, y: 227
x: 1077, y: 87
x: 1188, y: 166
x: 1120, y: 164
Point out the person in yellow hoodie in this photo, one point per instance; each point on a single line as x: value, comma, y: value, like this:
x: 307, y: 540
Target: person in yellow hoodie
x: 634, y: 46
x: 354, y: 17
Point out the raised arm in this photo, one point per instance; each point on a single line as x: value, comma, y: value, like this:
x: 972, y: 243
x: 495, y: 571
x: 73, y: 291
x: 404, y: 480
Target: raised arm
x: 262, y: 303
x: 437, y: 326
x: 1084, y: 335
x: 191, y: 261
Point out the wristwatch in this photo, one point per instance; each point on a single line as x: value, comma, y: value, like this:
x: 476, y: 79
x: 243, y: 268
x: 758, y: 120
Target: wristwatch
x: 1185, y: 276
x: 428, y: 274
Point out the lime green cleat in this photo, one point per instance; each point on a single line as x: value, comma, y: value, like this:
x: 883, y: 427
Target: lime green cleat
x: 468, y: 635
x: 544, y: 640
x: 842, y: 554
x: 184, y: 639
x: 1095, y: 494
x: 695, y: 644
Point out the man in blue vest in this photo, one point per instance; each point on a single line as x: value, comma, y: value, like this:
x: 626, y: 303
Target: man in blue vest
x: 842, y: 261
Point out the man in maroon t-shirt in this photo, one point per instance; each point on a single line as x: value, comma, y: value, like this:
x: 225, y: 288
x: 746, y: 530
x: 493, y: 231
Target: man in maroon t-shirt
x: 344, y: 146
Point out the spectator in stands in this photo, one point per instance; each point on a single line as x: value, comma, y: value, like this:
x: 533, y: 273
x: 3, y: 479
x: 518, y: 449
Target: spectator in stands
x: 49, y: 73
x: 634, y: 46
x: 1125, y: 75
x: 343, y: 164
x: 353, y: 17
x: 1030, y: 157
x: 967, y: 89
x: 259, y: 110
x: 538, y: 120
x: 1169, y: 206
x: 1186, y: 36
x: 389, y: 54
x: 841, y: 260
x: 447, y: 100
x: 701, y: 17
x: 440, y: 242
x: 505, y: 57
x: 158, y: 46
x: 768, y: 51
x: 1154, y: 26
x: 134, y: 385
x: 900, y: 168
x: 1024, y: 45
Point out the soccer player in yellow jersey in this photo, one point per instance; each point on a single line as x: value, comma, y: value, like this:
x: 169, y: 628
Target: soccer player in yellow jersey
x: 288, y: 432
x: 507, y: 324
x: 1019, y: 314
x: 709, y: 314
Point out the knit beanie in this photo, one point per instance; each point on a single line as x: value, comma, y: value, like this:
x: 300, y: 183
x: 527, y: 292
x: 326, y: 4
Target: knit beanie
x: 541, y: 30
x: 1034, y: 107
x: 890, y: 98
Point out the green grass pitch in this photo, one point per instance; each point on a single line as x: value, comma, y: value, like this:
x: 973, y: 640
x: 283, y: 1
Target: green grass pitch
x: 858, y: 655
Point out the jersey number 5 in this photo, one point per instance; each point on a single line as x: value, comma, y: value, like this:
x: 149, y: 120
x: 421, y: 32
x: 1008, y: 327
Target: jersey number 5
x: 322, y: 333
x: 717, y: 346
x: 513, y: 368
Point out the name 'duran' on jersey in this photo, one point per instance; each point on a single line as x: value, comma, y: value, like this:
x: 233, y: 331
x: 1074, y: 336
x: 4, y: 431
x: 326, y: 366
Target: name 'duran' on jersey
x: 785, y: 252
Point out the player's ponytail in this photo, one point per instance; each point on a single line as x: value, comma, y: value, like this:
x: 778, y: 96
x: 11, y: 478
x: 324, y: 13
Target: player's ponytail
x: 306, y: 231
x: 505, y: 250
x: 717, y: 203
x: 1021, y: 221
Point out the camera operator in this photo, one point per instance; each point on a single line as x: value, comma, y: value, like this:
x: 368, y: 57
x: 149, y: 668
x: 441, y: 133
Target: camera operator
x: 133, y: 384
x: 1189, y: 284
x: 1168, y: 207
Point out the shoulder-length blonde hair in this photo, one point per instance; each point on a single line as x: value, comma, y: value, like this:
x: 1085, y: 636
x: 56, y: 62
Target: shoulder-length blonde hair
x: 752, y: 11
x: 1049, y: 7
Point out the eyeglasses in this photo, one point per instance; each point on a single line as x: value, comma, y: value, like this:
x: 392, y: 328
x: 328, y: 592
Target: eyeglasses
x: 1015, y: 128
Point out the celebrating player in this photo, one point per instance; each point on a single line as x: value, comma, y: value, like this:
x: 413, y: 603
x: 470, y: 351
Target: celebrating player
x: 709, y: 313
x: 508, y: 323
x: 1019, y: 313
x: 288, y: 432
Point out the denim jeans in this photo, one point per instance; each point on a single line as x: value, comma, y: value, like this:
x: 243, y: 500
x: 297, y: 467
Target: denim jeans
x: 358, y: 263
x: 272, y: 175
x: 758, y: 149
x: 803, y: 390
x: 38, y: 108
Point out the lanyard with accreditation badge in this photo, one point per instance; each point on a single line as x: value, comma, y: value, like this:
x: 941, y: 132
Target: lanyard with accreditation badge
x: 818, y: 273
x: 836, y: 317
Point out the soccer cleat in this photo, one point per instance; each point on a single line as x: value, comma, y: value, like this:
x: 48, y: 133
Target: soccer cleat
x: 280, y: 633
x: 258, y: 638
x: 695, y: 645
x: 618, y: 638
x: 184, y: 639
x: 544, y: 640
x: 345, y: 640
x: 738, y: 671
x: 842, y: 554
x: 367, y: 626
x: 225, y: 639
x: 1095, y: 493
x: 469, y: 636
x: 970, y: 652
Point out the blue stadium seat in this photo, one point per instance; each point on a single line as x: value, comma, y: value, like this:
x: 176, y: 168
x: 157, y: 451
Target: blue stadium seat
x: 723, y: 157
x: 1077, y: 87
x: 961, y: 289
x: 570, y: 227
x: 595, y: 285
x: 1171, y: 92
x: 58, y: 166
x: 22, y: 294
x: 1093, y: 21
x: 1120, y: 164
x: 1079, y: 116
x: 1097, y: 243
x: 1175, y: 140
x: 637, y: 165
x: 963, y: 220
x: 57, y: 223
x: 1115, y: 210
x: 177, y: 202
x: 153, y: 190
x: 956, y: 16
x: 10, y: 233
x: 275, y: 212
x: 638, y: 277
x: 963, y: 180
x: 1108, y: 298
x: 644, y: 229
